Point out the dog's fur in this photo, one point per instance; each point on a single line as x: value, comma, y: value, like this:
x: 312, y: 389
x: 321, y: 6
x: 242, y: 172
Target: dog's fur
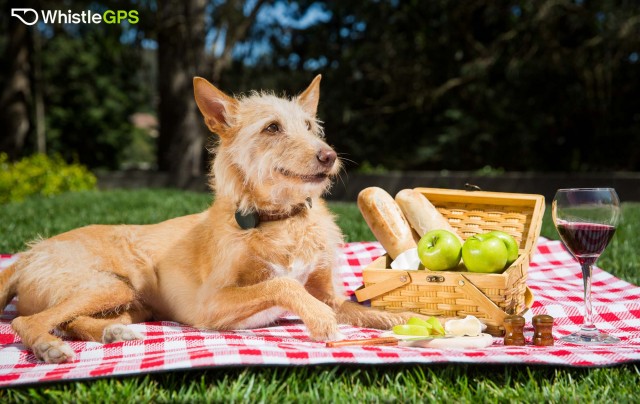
x: 204, y: 270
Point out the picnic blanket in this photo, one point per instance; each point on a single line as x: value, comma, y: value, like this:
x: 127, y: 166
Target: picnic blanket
x: 554, y: 277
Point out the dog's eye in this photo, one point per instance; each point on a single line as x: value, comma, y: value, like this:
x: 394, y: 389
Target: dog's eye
x: 308, y: 125
x: 272, y: 128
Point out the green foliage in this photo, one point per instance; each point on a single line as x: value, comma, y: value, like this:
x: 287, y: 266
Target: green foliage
x: 140, y: 153
x: 488, y: 171
x: 92, y: 88
x: 461, y: 85
x: 41, y: 175
x: 442, y: 85
x: 367, y: 168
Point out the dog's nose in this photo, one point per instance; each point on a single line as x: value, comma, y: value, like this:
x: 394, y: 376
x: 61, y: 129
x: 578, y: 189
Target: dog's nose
x: 326, y: 157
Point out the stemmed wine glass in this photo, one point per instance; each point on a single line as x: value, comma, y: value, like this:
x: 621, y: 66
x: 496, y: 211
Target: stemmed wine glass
x: 586, y: 220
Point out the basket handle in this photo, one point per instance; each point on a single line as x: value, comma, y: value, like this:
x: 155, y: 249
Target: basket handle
x: 488, y: 305
x: 528, y: 300
x: 367, y: 293
x: 492, y: 309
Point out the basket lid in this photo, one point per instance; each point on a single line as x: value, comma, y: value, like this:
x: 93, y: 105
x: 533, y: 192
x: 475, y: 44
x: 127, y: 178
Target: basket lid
x: 474, y: 212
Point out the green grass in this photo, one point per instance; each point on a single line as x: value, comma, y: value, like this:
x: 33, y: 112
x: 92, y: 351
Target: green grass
x: 21, y: 222
x: 343, y: 384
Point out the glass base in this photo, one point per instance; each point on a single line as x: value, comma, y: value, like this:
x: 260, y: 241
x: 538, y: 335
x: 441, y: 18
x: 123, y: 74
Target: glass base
x: 590, y: 338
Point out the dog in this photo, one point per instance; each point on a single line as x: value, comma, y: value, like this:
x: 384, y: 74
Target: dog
x: 267, y: 245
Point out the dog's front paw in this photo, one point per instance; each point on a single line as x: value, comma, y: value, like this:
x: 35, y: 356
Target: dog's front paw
x: 119, y: 332
x: 336, y: 337
x: 54, y: 352
x: 322, y: 323
x: 325, y: 331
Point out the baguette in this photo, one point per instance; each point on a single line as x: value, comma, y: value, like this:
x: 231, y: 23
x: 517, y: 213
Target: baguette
x: 386, y: 221
x: 421, y: 213
x: 367, y: 341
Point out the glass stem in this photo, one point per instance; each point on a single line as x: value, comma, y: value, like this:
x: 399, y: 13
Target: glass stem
x: 587, y: 322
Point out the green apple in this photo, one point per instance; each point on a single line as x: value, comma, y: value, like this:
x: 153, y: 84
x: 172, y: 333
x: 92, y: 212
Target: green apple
x: 437, y: 326
x: 510, y: 242
x: 418, y: 321
x: 484, y: 253
x: 411, y: 329
x: 439, y: 250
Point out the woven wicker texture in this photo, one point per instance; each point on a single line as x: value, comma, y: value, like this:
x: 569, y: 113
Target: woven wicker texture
x: 459, y: 293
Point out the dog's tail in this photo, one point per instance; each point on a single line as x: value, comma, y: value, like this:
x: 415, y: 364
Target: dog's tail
x: 7, y: 286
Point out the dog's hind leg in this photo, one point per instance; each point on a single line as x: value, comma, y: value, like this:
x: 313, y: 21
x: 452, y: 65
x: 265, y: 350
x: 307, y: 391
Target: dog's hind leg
x: 6, y: 286
x: 107, y: 329
x: 35, y: 330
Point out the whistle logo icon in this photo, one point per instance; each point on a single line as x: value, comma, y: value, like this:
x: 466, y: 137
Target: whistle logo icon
x: 16, y: 12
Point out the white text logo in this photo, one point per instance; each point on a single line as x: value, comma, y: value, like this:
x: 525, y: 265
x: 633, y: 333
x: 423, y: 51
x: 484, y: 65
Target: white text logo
x: 15, y: 12
x: 30, y: 16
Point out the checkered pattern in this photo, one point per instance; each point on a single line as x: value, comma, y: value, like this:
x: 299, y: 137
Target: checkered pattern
x: 554, y: 278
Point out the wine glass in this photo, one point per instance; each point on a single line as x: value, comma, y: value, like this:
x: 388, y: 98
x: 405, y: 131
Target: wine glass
x: 586, y: 220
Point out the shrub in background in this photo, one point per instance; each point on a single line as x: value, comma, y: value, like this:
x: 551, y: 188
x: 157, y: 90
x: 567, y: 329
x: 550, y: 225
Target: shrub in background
x: 40, y: 174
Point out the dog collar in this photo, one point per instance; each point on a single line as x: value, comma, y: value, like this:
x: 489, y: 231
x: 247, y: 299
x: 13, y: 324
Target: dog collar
x: 253, y: 219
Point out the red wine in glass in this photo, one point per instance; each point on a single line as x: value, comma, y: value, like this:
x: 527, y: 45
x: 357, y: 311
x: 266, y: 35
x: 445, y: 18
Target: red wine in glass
x: 585, y: 240
x: 586, y: 220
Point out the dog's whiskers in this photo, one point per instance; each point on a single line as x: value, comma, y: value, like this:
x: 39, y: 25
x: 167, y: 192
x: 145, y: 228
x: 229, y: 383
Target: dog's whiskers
x: 339, y: 175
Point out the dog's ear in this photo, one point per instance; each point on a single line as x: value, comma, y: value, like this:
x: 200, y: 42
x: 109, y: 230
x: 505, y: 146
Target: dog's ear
x: 310, y: 97
x: 216, y: 106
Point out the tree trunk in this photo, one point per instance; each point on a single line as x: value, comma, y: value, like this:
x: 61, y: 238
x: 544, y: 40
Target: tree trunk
x: 180, y: 58
x: 236, y: 27
x: 14, y: 99
x: 38, y: 96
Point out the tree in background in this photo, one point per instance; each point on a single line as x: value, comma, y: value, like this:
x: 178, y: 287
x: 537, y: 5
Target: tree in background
x: 15, y: 82
x: 181, y: 31
x: 180, y: 35
x: 461, y: 85
x: 440, y: 84
x: 92, y: 81
x: 78, y: 80
x: 91, y: 91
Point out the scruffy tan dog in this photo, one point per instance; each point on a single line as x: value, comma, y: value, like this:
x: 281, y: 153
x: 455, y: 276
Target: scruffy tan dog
x: 268, y: 244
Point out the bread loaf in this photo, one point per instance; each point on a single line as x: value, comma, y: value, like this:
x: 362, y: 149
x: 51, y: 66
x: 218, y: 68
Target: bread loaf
x: 386, y: 221
x: 421, y: 213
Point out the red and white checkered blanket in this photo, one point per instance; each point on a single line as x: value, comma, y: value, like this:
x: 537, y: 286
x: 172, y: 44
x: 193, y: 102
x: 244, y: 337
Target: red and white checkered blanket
x: 554, y: 278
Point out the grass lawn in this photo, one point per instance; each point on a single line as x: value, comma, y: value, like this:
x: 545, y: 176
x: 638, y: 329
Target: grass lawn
x: 21, y: 222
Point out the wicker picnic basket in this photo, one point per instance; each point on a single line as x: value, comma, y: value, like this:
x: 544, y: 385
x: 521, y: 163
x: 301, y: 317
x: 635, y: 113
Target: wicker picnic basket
x: 490, y: 297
